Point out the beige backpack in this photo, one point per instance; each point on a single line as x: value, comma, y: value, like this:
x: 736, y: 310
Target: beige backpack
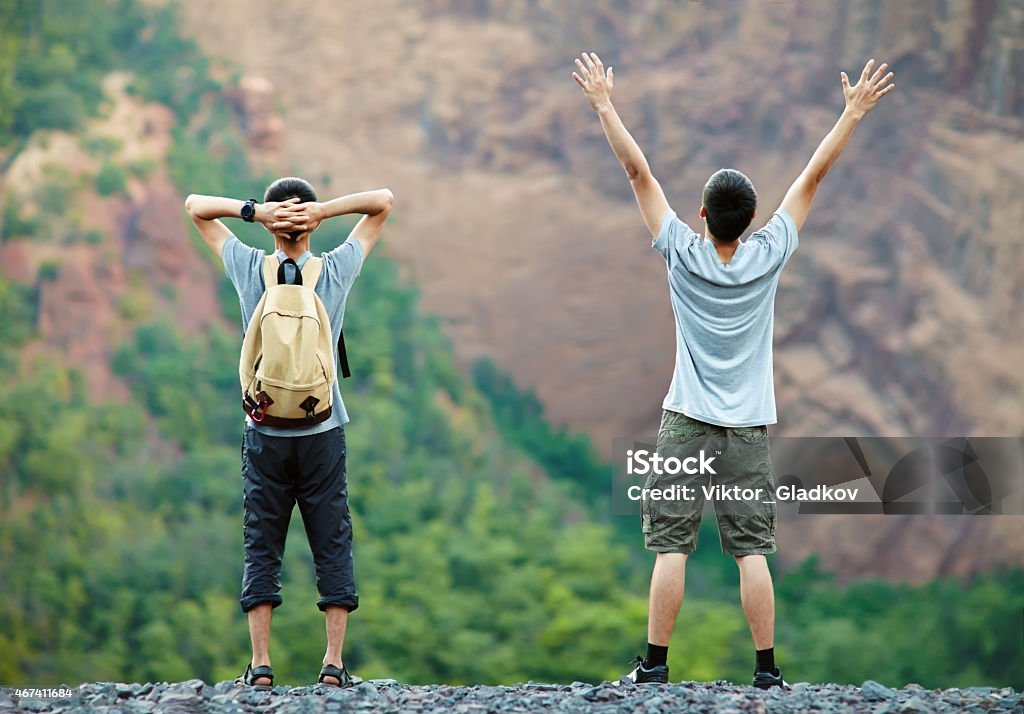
x: 287, y: 364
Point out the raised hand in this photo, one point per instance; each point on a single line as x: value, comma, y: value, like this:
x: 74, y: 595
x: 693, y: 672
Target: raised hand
x: 595, y: 81
x: 863, y: 96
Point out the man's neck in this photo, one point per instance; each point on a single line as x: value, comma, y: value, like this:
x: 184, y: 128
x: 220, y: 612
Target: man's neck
x: 293, y: 249
x: 725, y: 250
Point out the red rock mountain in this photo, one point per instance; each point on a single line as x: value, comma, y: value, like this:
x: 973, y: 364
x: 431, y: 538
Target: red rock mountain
x: 901, y: 313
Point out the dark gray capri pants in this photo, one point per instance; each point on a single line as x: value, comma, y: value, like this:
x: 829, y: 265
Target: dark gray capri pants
x: 741, y: 459
x: 277, y: 473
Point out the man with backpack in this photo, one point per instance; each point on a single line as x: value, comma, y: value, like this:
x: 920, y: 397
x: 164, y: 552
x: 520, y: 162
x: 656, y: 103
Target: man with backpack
x: 293, y: 448
x: 721, y: 398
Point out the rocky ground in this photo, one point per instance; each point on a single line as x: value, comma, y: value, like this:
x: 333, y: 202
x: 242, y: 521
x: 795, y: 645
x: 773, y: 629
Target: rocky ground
x: 387, y: 695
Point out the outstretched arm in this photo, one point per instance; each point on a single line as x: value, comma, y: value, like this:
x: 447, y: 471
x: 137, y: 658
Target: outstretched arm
x: 597, y: 87
x: 860, y: 99
x: 374, y: 205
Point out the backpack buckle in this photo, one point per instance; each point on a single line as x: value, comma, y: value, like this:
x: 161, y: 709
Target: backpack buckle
x: 259, y: 412
x: 260, y: 406
x: 309, y: 405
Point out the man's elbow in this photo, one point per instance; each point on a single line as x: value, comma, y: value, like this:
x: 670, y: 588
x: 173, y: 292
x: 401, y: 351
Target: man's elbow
x: 387, y: 200
x: 638, y: 175
x: 190, y: 205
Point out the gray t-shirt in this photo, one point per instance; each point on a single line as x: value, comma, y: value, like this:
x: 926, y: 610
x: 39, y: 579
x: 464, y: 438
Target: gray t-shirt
x: 244, y: 266
x: 724, y: 316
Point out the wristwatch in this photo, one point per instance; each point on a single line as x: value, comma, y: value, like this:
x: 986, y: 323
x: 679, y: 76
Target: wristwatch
x: 249, y: 210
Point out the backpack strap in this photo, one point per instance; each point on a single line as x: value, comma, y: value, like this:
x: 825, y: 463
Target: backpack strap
x: 273, y: 271
x: 343, y: 355
x: 311, y: 272
x: 270, y: 265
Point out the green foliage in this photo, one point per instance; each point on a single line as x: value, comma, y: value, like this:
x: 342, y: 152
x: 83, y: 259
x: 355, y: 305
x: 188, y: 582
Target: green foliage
x: 49, y: 210
x: 54, y: 55
x: 58, y: 191
x: 15, y: 224
x: 189, y: 387
x: 945, y: 633
x: 49, y: 269
x: 111, y: 179
x: 17, y: 305
x: 142, y: 168
x: 519, y: 415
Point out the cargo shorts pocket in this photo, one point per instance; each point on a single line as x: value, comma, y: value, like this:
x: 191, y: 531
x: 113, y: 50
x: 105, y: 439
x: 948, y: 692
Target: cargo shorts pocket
x: 753, y: 435
x: 678, y: 428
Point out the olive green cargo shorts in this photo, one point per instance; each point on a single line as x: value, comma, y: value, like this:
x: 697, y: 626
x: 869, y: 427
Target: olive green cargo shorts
x: 742, y: 487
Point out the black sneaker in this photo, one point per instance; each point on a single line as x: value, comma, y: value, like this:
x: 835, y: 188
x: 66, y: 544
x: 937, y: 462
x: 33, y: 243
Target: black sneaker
x: 767, y: 680
x: 640, y: 674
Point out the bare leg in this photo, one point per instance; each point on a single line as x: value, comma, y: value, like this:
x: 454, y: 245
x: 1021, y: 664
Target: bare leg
x: 259, y: 633
x: 758, y: 598
x: 337, y: 621
x: 667, y: 583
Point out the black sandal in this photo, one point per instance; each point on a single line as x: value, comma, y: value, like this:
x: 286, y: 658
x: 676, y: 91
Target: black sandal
x: 254, y: 673
x: 340, y: 673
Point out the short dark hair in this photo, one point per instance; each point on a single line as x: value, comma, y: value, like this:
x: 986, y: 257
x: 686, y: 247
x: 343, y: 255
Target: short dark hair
x: 290, y: 187
x: 730, y: 201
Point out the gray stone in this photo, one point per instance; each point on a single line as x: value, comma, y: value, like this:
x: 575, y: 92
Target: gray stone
x: 535, y: 687
x: 128, y: 690
x: 875, y: 691
x: 366, y: 690
x: 980, y: 691
x: 915, y: 704
x: 531, y: 698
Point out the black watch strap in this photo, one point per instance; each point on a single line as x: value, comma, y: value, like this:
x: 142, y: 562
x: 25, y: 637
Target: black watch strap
x: 249, y: 210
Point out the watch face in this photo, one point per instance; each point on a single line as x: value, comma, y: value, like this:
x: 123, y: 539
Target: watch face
x: 248, y: 211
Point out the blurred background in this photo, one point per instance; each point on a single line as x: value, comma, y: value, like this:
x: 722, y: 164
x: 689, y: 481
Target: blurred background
x: 513, y: 324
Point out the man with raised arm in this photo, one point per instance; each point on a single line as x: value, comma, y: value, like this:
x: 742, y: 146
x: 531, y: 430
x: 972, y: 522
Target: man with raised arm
x: 304, y: 465
x: 721, y: 397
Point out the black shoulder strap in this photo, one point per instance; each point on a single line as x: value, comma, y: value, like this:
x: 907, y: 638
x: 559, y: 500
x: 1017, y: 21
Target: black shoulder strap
x: 281, y: 276
x: 343, y: 355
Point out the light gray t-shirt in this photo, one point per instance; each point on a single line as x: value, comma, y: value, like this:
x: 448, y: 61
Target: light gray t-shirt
x: 724, y: 316
x: 243, y: 264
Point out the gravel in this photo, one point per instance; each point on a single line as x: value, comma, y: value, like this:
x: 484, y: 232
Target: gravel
x: 387, y: 695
